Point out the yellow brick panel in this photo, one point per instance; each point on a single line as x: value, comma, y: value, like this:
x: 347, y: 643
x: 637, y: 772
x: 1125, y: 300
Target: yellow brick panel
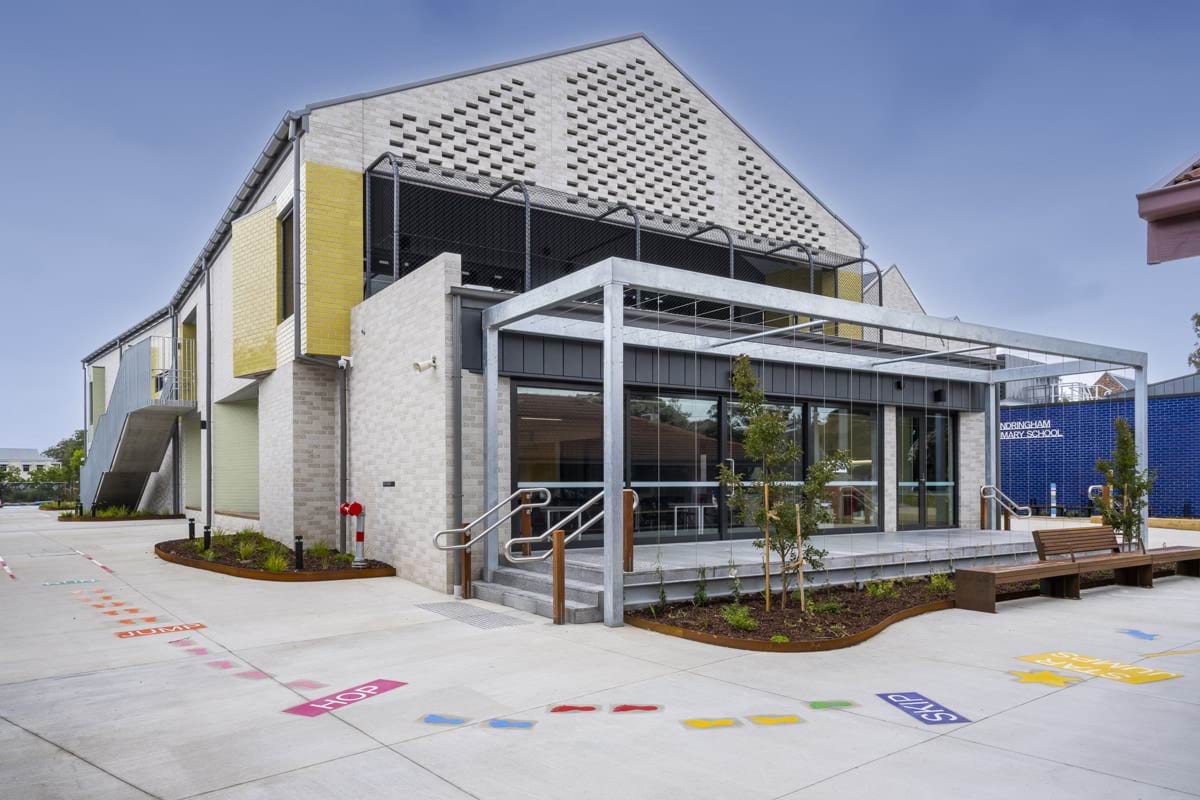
x: 255, y: 292
x: 333, y: 251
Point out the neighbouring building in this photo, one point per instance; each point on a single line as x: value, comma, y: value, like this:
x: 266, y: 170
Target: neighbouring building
x: 25, y: 460
x: 1171, y: 209
x: 534, y: 277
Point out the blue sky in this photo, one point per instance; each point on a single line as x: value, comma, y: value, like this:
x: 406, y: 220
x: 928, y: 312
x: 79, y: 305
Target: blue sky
x: 992, y: 150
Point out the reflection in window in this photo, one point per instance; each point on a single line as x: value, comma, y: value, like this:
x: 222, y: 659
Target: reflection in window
x: 674, y: 449
x: 855, y: 491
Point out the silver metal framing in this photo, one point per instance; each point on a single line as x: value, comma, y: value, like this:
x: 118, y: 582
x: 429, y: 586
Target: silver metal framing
x: 535, y: 310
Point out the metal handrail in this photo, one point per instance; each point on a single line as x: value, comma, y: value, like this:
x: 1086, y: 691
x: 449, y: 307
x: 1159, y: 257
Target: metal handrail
x: 463, y: 530
x: 575, y: 534
x: 991, y: 492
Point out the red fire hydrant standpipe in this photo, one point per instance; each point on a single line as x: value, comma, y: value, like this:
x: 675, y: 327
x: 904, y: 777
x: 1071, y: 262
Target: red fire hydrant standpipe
x: 357, y: 511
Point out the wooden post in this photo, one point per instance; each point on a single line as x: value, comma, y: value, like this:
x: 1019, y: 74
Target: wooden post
x: 767, y: 545
x: 526, y: 523
x: 800, y: 561
x: 465, y: 563
x: 558, y: 569
x: 1007, y: 520
x: 983, y: 512
x: 627, y: 496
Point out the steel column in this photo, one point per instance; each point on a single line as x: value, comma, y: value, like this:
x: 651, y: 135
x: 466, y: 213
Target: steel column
x: 1141, y: 438
x: 491, y: 444
x: 614, y: 453
x: 991, y: 449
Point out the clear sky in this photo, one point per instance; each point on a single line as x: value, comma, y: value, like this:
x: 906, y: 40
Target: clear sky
x: 992, y: 150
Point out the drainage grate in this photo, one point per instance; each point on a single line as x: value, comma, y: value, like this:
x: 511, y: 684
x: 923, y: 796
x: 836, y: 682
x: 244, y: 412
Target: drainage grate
x: 473, y: 615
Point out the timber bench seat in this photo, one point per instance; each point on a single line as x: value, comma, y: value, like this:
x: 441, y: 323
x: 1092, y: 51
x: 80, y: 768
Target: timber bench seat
x: 1063, y: 555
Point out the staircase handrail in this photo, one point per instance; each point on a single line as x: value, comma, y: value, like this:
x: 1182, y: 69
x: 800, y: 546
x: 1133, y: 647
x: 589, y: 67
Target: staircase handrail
x: 545, y: 501
x: 572, y: 536
x: 992, y: 492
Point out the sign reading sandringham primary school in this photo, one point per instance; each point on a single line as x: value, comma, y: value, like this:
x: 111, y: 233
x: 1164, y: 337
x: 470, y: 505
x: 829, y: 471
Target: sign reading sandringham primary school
x: 1029, y: 429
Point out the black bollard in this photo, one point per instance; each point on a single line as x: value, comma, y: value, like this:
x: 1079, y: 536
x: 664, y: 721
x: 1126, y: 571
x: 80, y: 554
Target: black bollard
x: 207, y: 538
x: 299, y: 541
x: 191, y: 527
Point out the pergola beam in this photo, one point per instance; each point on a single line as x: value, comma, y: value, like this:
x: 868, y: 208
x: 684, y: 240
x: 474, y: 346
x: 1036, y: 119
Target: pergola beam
x: 1051, y: 370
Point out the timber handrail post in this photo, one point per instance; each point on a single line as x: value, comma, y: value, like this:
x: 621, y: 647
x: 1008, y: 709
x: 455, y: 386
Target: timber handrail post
x: 1007, y: 520
x: 627, y: 496
x: 983, y: 513
x: 526, y: 524
x: 558, y: 569
x: 465, y: 566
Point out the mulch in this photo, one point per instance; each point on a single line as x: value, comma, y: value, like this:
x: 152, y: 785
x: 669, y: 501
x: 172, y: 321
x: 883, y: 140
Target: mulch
x: 226, y: 553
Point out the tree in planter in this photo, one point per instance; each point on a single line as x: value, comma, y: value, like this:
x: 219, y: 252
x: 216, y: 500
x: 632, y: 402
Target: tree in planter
x: 1122, y: 473
x: 772, y: 503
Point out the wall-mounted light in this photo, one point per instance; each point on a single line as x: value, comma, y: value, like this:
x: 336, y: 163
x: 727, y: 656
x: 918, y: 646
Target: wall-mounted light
x: 421, y: 366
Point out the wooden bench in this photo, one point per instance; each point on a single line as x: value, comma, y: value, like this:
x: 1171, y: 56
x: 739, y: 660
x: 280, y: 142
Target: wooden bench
x: 1063, y: 555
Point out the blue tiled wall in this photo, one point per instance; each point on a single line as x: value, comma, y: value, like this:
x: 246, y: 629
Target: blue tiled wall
x: 1029, y: 465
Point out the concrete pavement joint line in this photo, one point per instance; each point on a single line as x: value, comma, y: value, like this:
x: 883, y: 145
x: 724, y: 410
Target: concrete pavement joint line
x: 207, y: 792
x: 77, y: 756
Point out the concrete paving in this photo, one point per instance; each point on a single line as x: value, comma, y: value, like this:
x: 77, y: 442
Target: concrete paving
x: 85, y: 713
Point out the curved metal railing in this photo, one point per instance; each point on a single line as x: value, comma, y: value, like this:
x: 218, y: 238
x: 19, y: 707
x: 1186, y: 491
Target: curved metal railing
x: 572, y: 536
x: 990, y: 492
x: 466, y: 543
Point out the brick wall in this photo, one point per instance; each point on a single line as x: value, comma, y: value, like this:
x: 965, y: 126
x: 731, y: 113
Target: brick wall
x: 971, y: 466
x: 1030, y: 463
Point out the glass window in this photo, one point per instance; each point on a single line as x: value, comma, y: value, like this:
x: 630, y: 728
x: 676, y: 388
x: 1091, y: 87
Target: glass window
x: 287, y: 265
x: 751, y: 469
x: 854, y: 491
x: 674, y: 449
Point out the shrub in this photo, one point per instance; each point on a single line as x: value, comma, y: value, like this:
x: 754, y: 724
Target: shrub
x: 343, y: 559
x: 738, y: 617
x: 208, y: 555
x: 112, y: 512
x: 826, y: 607
x: 882, y: 590
x: 246, y: 549
x: 779, y: 638
x: 319, y: 552
x: 700, y: 598
x: 941, y: 583
x: 276, y: 562
x: 198, y: 545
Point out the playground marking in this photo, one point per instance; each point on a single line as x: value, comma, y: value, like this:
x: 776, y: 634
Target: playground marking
x: 1045, y: 677
x: 304, y: 683
x: 333, y: 702
x: 191, y: 626
x: 181, y: 643
x: 567, y: 709
x: 627, y: 708
x: 252, y: 675
x: 522, y: 724
x: 4, y: 564
x: 819, y: 705
x: 707, y: 724
x: 110, y: 613
x: 922, y: 709
x: 443, y: 719
x: 70, y: 582
x: 1171, y: 653
x: 774, y: 719
x: 222, y: 664
x: 1102, y: 668
x: 1134, y: 632
x: 198, y: 651
x: 97, y: 563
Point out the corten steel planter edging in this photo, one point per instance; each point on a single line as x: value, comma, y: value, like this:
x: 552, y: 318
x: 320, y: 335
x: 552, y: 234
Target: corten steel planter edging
x: 286, y: 577
x: 149, y: 518
x: 811, y: 646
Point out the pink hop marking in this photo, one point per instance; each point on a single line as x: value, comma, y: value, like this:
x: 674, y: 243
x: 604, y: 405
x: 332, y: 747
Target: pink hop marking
x: 251, y: 675
x: 198, y: 651
x: 304, y: 683
x: 222, y: 664
x: 181, y: 643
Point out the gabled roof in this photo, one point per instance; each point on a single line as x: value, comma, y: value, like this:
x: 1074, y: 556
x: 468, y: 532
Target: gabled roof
x: 26, y: 455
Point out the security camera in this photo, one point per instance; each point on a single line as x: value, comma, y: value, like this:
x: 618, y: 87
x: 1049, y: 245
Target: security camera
x: 421, y: 366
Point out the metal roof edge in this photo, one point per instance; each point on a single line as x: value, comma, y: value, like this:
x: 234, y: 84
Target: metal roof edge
x: 149, y: 321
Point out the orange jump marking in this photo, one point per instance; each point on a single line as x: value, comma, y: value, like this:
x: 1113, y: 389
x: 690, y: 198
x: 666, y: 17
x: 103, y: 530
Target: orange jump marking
x: 191, y: 626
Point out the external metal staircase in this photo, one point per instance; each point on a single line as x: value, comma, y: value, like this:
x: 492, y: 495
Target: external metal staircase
x: 156, y: 383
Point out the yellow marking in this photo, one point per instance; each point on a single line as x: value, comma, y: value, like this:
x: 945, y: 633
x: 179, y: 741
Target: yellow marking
x: 702, y: 724
x: 1170, y: 653
x: 1045, y: 676
x: 770, y: 719
x: 1101, y: 668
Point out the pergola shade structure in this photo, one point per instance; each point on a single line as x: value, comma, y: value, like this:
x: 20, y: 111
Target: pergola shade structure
x: 551, y: 308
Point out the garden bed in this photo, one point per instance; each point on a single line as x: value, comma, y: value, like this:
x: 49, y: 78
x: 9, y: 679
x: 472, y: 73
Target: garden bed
x: 837, y: 616
x: 119, y: 518
x: 249, y: 554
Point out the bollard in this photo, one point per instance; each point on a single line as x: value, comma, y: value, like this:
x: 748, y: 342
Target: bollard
x: 191, y: 528
x: 558, y: 570
x: 207, y: 538
x: 299, y: 542
x: 359, y: 534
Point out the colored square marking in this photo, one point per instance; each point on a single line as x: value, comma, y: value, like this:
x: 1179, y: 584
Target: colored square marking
x: 1101, y: 668
x: 252, y: 675
x: 628, y: 708
x: 568, y: 709
x: 708, y: 724
x: 443, y: 719
x: 521, y: 724
x: 222, y: 664
x: 198, y: 651
x: 304, y: 683
x: 823, y: 704
x: 774, y: 719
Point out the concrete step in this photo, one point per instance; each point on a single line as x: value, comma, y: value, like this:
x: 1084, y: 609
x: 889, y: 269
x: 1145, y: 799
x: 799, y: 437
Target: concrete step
x: 542, y: 583
x: 535, y: 602
x: 574, y: 572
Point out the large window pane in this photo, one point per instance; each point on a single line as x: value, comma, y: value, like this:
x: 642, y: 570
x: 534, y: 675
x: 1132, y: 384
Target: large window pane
x: 673, y: 454
x: 854, y: 491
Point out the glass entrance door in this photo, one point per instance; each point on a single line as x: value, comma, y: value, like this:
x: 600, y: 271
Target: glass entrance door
x: 926, y: 467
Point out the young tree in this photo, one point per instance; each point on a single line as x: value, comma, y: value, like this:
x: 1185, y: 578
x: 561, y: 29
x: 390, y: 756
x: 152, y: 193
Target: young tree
x: 768, y: 440
x: 65, y: 448
x: 1124, y: 515
x: 1194, y: 358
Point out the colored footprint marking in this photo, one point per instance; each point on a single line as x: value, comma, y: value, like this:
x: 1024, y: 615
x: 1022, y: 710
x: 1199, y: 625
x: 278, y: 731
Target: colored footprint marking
x: 198, y: 651
x: 127, y: 621
x: 822, y: 704
x: 442, y: 719
x: 1135, y: 633
x: 627, y: 708
x: 149, y: 619
x: 774, y: 719
x: 110, y: 613
x: 304, y: 683
x: 707, y: 724
x: 222, y: 664
x: 252, y: 675
x: 522, y: 724
x: 181, y: 643
x: 565, y: 709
